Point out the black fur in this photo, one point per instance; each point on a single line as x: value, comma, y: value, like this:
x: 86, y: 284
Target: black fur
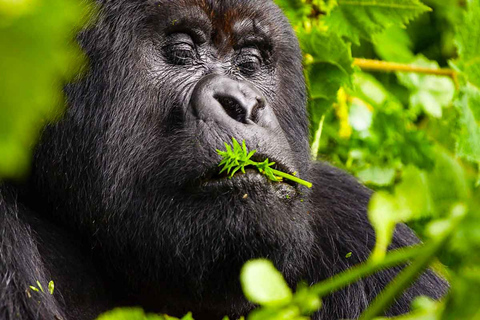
x: 119, y: 210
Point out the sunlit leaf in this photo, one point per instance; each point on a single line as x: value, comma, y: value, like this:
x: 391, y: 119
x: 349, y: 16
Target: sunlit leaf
x: 263, y: 284
x: 357, y: 19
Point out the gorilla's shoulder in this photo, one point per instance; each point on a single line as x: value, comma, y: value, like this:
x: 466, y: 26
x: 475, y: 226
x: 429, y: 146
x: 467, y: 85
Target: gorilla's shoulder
x: 334, y: 189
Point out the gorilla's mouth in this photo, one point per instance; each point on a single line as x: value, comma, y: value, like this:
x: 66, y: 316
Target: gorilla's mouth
x: 214, y: 177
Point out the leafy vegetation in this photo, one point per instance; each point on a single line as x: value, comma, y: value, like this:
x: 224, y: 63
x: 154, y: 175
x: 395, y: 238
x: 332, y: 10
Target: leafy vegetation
x: 237, y: 157
x: 405, y: 126
x: 37, y: 57
x: 397, y: 106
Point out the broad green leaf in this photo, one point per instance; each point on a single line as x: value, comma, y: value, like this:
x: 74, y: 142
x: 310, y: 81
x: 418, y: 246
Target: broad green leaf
x: 427, y: 92
x: 468, y: 43
x: 329, y: 67
x: 410, y: 200
x: 37, y: 55
x: 295, y: 10
x: 325, y: 80
x: 468, y: 140
x: 360, y: 116
x: 423, y: 308
x: 379, y: 176
x: 382, y: 212
x: 464, y: 299
x: 413, y: 195
x: 394, y: 45
x: 12, y: 9
x: 447, y: 182
x: 369, y: 89
x: 131, y: 314
x: 357, y: 19
x: 188, y: 316
x: 263, y: 284
x: 327, y: 47
x: 289, y: 312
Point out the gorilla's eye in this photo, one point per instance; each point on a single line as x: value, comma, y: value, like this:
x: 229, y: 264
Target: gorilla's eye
x: 180, y: 49
x: 249, y: 61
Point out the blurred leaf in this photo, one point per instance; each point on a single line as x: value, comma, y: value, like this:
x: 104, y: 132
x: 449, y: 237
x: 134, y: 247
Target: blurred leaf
x: 360, y: 116
x: 379, y: 176
x: 410, y: 200
x: 38, y: 55
x: 263, y: 284
x: 468, y: 140
x: 11, y: 9
x: 464, y: 298
x: 288, y: 313
x: 130, y: 314
x: 382, y: 211
x: 295, y: 10
x: 468, y: 43
x: 394, y: 45
x: 427, y: 92
x: 327, y: 47
x: 423, y: 308
x: 328, y: 68
x: 447, y: 182
x: 357, y: 19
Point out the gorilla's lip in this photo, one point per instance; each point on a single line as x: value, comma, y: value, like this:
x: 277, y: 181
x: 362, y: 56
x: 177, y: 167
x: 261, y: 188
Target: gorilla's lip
x: 214, y: 176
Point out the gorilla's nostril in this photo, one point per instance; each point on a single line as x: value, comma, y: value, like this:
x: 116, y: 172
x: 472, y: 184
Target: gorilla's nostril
x: 233, y: 108
x: 243, y: 110
x: 260, y: 102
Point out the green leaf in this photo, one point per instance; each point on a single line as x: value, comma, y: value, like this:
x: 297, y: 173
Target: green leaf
x: 360, y: 116
x: 188, y: 316
x: 16, y: 8
x: 34, y: 289
x: 382, y: 211
x: 468, y: 139
x: 376, y: 175
x: 295, y: 10
x: 394, y: 45
x: 263, y: 284
x: 326, y: 47
x: 427, y: 92
x: 38, y: 55
x: 40, y: 286
x: 411, y: 200
x: 131, y: 314
x: 468, y: 43
x: 357, y: 19
x: 51, y: 287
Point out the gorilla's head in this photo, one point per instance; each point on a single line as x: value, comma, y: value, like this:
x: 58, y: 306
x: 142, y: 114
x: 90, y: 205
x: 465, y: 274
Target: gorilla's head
x: 133, y: 166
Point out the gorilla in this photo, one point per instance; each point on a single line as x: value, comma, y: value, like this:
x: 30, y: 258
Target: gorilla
x: 125, y: 205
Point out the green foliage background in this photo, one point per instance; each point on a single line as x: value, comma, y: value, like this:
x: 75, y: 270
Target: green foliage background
x: 414, y: 137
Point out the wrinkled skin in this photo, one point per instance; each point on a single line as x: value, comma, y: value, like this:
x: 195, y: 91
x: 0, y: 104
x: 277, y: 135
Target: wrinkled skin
x: 125, y: 204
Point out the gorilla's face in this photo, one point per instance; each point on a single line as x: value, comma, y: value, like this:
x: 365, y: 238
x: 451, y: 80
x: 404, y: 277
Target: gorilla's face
x: 169, y: 83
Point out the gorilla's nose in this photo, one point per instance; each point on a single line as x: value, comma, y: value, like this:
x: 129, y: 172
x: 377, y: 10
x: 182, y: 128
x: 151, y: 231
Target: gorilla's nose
x: 222, y: 99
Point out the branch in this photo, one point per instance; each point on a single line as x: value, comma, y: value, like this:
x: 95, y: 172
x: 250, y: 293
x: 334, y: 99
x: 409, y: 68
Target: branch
x: 384, y: 66
x: 341, y: 280
x: 408, y: 275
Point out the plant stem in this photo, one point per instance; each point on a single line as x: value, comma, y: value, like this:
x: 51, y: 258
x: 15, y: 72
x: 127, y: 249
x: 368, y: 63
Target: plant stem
x: 413, y: 271
x: 316, y: 141
x: 402, y: 281
x: 377, y: 65
x: 366, y: 269
x: 293, y: 178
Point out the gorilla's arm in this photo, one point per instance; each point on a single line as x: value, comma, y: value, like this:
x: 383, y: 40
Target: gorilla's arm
x: 34, y: 249
x: 342, y: 226
x: 21, y: 265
